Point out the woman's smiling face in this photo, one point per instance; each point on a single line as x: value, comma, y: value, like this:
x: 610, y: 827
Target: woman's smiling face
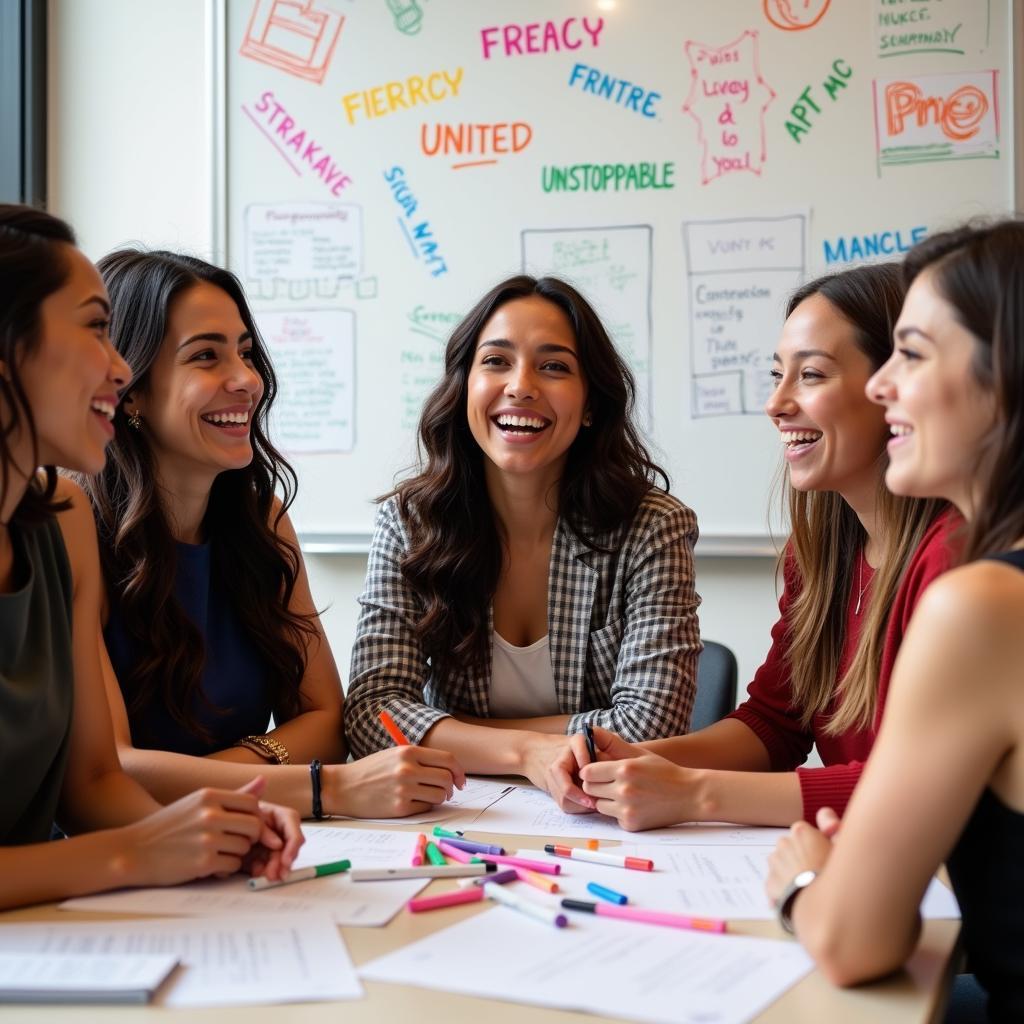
x: 833, y: 435
x: 526, y: 394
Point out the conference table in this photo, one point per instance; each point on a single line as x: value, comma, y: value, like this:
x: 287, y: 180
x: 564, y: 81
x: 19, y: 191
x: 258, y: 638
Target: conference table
x: 915, y: 994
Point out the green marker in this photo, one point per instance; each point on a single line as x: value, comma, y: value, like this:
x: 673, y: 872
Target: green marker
x: 434, y: 855
x: 316, y: 871
x: 445, y: 834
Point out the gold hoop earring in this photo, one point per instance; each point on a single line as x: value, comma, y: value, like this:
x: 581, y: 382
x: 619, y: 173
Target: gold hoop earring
x: 587, y: 419
x: 135, y: 419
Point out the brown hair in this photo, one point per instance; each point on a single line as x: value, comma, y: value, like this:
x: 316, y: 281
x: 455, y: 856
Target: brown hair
x: 33, y: 265
x: 455, y: 554
x: 827, y: 536
x: 979, y: 270
x: 137, y: 547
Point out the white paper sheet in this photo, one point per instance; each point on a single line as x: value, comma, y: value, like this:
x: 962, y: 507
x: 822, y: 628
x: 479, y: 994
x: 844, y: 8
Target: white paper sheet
x: 611, y: 968
x: 705, y: 881
x: 527, y: 811
x: 350, y: 903
x: 224, y: 962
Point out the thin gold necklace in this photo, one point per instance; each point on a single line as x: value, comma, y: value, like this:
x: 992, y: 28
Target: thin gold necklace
x: 860, y: 584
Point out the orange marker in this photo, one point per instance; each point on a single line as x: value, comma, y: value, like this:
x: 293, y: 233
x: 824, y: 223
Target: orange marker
x: 393, y: 731
x: 537, y: 880
x: 421, y: 848
x: 593, y: 844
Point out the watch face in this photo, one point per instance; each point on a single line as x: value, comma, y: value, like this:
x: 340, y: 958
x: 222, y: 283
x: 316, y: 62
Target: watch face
x: 804, y: 879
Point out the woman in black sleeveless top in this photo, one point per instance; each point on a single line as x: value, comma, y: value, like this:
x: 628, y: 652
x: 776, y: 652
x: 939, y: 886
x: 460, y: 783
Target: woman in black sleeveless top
x: 59, y: 385
x: 945, y: 781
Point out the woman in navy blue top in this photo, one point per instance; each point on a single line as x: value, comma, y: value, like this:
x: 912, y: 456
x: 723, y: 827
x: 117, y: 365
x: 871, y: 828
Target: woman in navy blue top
x: 59, y: 384
x: 210, y: 626
x: 945, y: 781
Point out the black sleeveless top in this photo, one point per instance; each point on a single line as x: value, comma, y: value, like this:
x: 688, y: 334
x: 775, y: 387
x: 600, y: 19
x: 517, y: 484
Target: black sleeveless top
x: 36, y: 684
x: 987, y: 871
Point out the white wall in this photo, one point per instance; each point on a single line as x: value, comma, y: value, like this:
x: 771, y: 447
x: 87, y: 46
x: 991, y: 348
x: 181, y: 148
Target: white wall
x: 131, y: 159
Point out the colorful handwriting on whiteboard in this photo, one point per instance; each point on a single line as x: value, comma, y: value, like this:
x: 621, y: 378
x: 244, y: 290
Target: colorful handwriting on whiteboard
x: 481, y: 143
x: 618, y: 90
x: 952, y: 116
x: 795, y: 15
x: 852, y: 248
x: 300, y: 151
x: 931, y: 26
x: 540, y: 37
x: 419, y: 236
x: 385, y: 99
x: 293, y: 37
x: 728, y: 99
x: 800, y: 112
x: 607, y: 177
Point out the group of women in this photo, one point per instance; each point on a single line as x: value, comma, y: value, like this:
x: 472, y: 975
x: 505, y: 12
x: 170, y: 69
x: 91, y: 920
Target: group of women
x: 533, y: 577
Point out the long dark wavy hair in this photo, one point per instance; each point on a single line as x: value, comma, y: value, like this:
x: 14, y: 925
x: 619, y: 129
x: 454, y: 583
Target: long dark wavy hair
x: 827, y: 537
x: 456, y: 549
x: 33, y: 266
x: 979, y: 270
x: 137, y: 547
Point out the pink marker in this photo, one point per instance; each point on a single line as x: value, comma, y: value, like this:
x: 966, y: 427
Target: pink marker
x: 447, y: 899
x: 700, y: 924
x: 543, y: 866
x: 456, y: 854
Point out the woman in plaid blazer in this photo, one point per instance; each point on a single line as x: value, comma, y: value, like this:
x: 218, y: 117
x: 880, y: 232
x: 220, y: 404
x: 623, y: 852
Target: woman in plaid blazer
x: 531, y: 577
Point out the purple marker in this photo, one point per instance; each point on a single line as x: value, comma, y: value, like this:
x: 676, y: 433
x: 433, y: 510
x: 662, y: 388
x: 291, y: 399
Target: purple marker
x: 499, y: 877
x: 470, y: 847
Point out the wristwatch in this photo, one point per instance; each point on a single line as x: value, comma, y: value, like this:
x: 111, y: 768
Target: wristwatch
x: 784, y: 904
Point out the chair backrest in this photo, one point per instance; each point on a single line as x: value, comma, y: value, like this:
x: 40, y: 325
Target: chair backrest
x: 717, y: 672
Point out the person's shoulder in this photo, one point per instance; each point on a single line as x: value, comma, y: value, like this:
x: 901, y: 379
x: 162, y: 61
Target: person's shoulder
x: 982, y: 601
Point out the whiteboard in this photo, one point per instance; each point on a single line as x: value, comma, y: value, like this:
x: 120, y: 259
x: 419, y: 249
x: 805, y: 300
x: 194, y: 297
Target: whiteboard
x: 685, y: 164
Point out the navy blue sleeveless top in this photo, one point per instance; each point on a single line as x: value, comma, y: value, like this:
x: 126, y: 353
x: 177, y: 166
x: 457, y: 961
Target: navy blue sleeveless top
x: 235, y: 679
x: 987, y: 871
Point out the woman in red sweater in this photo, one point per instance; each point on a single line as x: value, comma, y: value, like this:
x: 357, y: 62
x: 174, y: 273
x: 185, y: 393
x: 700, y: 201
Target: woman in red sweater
x: 856, y: 563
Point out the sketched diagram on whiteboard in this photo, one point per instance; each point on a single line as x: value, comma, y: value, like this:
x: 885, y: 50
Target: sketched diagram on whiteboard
x: 314, y: 355
x: 612, y: 268
x: 300, y: 250
x: 740, y: 273
x: 728, y: 99
x: 293, y: 36
x: 795, y: 15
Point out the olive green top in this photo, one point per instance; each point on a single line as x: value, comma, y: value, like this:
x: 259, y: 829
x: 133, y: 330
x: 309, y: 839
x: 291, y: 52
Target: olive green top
x: 36, y: 684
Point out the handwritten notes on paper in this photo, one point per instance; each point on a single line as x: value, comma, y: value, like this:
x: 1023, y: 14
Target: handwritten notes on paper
x: 739, y: 273
x: 728, y: 99
x: 612, y: 267
x: 611, y: 968
x: 224, y: 961
x: 313, y: 352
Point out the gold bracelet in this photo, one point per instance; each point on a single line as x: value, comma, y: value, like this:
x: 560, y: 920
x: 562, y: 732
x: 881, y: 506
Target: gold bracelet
x: 266, y: 746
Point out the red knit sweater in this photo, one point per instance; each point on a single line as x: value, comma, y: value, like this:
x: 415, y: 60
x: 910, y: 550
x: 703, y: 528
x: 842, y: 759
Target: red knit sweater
x: 768, y: 711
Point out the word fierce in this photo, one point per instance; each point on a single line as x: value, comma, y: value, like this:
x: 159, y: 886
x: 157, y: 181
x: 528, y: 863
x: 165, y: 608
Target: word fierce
x: 618, y: 90
x: 386, y: 99
x: 539, y: 38
x: 306, y: 149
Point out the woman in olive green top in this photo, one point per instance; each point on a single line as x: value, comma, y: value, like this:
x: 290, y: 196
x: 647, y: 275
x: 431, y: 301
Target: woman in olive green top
x: 59, y: 385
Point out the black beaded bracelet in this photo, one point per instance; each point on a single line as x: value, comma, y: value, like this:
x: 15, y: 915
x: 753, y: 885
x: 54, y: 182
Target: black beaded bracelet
x: 314, y: 778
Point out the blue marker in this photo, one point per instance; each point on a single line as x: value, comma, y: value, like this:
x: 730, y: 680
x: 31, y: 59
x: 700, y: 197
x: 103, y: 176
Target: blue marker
x: 607, y: 894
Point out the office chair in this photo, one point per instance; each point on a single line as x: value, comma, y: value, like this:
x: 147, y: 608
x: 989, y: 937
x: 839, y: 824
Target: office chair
x: 716, y: 685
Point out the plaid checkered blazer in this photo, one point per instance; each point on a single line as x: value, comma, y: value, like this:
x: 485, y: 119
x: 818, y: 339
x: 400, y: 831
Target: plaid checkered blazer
x: 622, y: 624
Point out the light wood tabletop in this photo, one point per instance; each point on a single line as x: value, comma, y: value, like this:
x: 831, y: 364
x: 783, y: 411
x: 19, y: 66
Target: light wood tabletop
x: 913, y: 996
